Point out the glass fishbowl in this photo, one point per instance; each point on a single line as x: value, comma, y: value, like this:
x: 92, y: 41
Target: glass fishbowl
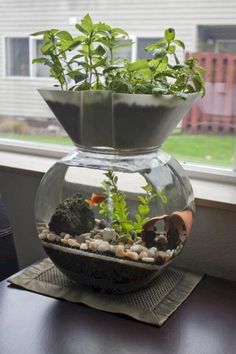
x: 117, y: 210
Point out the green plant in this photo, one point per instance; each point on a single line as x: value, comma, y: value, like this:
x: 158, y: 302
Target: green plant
x: 114, y: 207
x: 88, y: 60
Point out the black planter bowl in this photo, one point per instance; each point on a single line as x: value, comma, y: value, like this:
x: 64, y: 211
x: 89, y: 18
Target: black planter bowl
x: 101, y: 272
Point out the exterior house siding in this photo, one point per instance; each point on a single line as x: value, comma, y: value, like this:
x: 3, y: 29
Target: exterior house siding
x: 21, y: 17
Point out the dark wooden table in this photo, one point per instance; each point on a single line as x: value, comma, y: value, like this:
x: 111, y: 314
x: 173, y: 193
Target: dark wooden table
x: 36, y: 324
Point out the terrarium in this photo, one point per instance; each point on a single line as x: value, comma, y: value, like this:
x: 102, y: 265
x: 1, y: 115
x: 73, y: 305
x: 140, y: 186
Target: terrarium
x: 117, y: 210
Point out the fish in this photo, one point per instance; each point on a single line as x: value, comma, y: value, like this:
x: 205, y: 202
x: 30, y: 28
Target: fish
x: 95, y: 199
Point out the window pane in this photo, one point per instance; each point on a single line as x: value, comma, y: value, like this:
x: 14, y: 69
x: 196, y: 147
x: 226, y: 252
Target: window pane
x: 17, y: 56
x: 142, y: 43
x: 40, y: 69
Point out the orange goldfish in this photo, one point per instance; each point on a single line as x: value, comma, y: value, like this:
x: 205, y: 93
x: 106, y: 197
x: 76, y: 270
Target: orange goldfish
x: 95, y: 199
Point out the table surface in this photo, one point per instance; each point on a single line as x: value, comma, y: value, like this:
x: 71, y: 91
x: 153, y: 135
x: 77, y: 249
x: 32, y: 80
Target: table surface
x: 34, y: 324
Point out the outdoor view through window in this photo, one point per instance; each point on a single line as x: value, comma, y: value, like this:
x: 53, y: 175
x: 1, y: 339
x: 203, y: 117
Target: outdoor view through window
x: 208, y: 29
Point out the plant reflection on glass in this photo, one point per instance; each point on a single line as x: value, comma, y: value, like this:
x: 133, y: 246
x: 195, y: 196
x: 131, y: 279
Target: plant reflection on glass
x: 88, y: 61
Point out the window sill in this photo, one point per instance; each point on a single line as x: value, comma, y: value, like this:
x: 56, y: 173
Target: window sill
x: 214, y: 194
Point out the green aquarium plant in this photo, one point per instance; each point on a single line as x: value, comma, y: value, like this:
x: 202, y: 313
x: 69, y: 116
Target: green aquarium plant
x: 89, y: 61
x: 115, y: 209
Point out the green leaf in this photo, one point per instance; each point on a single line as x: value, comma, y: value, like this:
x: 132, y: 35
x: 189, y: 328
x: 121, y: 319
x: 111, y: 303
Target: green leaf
x: 77, y: 76
x: 120, y: 31
x: 148, y: 188
x: 139, y: 64
x: 102, y: 27
x: 159, y: 53
x: 39, y: 33
x: 179, y: 43
x: 65, y: 36
x: 100, y: 50
x: 169, y: 34
x: 39, y: 61
x: 87, y: 23
x: 143, y: 209
x: 161, y: 194
x: 46, y: 46
x: 161, y: 43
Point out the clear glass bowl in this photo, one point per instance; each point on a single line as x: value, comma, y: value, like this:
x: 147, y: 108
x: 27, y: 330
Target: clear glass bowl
x: 95, y: 255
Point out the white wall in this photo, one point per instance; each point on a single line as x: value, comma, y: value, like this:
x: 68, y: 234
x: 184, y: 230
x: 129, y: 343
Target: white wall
x: 210, y: 249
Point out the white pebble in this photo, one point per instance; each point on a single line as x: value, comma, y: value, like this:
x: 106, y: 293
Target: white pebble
x: 109, y: 234
x: 73, y: 243
x: 51, y: 237
x: 148, y: 259
x: 132, y: 255
x: 84, y: 246
x: 64, y: 242
x: 142, y: 255
x: 104, y: 246
x: 83, y: 237
x: 43, y: 236
x: 151, y: 252
x: 67, y: 236
x: 138, y: 248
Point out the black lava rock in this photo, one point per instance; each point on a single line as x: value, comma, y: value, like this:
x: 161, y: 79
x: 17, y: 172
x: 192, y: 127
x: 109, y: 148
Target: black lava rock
x: 73, y: 216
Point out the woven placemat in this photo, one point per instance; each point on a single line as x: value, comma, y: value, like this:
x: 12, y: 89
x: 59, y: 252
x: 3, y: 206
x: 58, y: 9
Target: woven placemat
x: 153, y: 304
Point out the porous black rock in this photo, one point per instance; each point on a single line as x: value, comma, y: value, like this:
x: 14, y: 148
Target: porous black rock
x: 73, y: 216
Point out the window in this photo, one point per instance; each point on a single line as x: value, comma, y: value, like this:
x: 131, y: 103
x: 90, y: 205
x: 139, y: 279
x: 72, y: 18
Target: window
x: 205, y: 136
x: 17, y: 56
x: 217, y: 38
x: 142, y: 43
x: 19, y: 52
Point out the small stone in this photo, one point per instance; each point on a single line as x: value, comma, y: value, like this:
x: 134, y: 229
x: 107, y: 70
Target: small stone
x: 109, y: 234
x: 67, y: 236
x: 51, y: 237
x: 84, y: 246
x: 112, y: 249
x: 104, y: 246
x: 138, y: 248
x: 58, y: 238
x: 102, y: 224
x: 142, y: 255
x: 131, y: 255
x: 83, y: 237
x: 148, y: 259
x: 120, y: 251
x: 92, y: 246
x: 64, y: 242
x: 98, y: 237
x: 161, y: 257
x: 43, y: 236
x: 152, y: 252
x: 45, y: 231
x: 62, y: 234
x: 73, y: 243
